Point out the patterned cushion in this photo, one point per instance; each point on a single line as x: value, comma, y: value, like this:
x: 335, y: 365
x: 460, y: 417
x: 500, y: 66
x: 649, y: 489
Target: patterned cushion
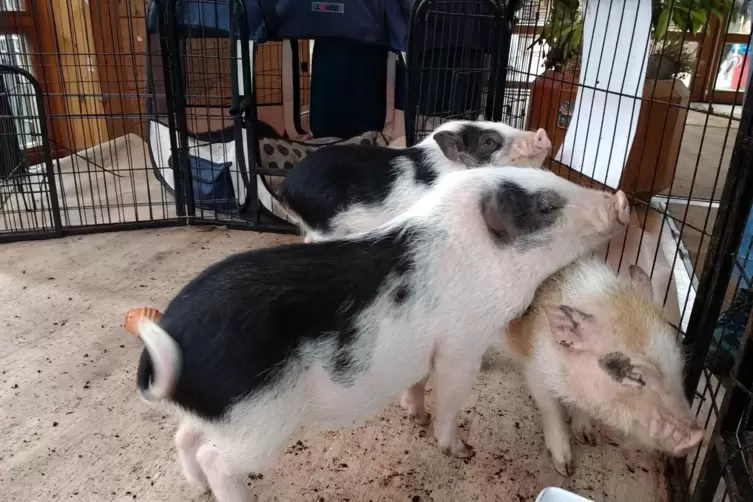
x: 284, y: 154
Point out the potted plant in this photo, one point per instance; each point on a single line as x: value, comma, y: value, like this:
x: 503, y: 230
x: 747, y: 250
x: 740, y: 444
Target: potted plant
x: 554, y: 91
x: 653, y: 154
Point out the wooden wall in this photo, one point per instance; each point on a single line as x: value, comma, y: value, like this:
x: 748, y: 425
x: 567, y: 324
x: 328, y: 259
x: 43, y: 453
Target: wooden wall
x: 70, y: 74
x: 120, y: 37
x: 94, y: 59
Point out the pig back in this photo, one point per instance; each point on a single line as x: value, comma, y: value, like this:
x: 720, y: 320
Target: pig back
x: 331, y: 179
x: 241, y: 323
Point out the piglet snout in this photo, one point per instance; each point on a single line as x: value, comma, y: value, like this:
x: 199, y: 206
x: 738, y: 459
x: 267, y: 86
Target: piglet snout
x: 541, y: 141
x: 622, y: 206
x: 612, y: 214
x: 675, y: 436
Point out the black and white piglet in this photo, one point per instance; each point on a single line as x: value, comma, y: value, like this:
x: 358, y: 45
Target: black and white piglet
x: 344, y: 189
x: 330, y: 332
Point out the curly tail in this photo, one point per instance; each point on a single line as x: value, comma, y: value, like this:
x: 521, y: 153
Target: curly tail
x: 159, y: 368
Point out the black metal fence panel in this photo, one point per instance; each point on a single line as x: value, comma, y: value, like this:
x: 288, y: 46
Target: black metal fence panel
x: 29, y: 196
x: 675, y: 74
x: 86, y: 122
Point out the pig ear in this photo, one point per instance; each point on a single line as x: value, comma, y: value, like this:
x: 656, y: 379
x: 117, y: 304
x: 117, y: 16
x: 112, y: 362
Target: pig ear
x: 571, y: 328
x: 498, y: 219
x: 642, y: 281
x: 451, y: 144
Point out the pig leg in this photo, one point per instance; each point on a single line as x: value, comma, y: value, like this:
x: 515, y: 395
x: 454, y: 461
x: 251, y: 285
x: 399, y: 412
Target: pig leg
x: 247, y: 442
x: 187, y: 442
x: 227, y: 484
x: 556, y: 436
x: 454, y: 376
x: 583, y: 428
x: 413, y: 402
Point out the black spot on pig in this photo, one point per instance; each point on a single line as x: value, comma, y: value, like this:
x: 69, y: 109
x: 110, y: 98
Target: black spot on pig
x: 344, y: 365
x: 331, y: 179
x: 244, y: 324
x: 512, y: 213
x: 401, y: 293
x: 470, y: 145
x: 618, y: 366
x: 423, y: 172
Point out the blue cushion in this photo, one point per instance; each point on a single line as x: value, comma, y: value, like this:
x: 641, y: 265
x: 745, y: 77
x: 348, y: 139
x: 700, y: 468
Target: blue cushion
x: 212, y: 185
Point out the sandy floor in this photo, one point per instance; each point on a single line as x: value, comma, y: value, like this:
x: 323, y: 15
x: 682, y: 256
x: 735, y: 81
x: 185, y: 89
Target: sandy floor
x: 74, y: 429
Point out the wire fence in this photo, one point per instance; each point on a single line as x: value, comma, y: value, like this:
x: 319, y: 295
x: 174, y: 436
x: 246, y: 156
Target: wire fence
x: 686, y: 114
x: 125, y: 115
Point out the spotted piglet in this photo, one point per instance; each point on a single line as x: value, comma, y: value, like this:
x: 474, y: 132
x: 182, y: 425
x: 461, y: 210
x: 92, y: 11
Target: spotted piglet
x: 598, y: 344
x: 345, y: 189
x: 329, y: 333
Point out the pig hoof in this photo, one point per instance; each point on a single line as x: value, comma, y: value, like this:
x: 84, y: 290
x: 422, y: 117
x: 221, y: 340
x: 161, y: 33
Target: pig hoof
x: 421, y: 419
x: 586, y: 433
x: 588, y: 437
x: 460, y: 449
x: 563, y: 468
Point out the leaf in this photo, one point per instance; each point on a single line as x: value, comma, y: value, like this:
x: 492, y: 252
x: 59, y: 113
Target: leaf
x: 699, y: 19
x: 662, y: 24
x: 681, y: 21
x: 566, y: 31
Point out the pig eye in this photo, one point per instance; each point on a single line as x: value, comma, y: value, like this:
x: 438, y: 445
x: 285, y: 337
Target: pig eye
x: 548, y: 202
x: 546, y: 207
x: 636, y: 379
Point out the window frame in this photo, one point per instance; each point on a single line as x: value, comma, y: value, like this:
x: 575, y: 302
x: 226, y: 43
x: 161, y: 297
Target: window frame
x: 24, y: 23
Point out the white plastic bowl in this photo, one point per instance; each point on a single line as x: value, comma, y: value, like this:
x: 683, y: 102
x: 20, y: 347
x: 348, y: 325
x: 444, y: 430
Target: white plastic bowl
x: 554, y: 494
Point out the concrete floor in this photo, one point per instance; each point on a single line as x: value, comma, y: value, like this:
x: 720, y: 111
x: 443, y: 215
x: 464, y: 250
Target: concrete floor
x: 74, y: 429
x: 702, y: 165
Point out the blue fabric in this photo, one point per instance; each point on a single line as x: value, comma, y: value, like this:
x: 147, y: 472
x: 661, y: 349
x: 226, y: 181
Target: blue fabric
x: 382, y: 22
x: 212, y: 185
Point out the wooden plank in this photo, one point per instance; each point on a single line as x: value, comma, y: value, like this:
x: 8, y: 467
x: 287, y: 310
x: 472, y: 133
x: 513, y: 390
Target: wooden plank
x: 107, y: 47
x: 49, y: 74
x: 120, y: 41
x: 80, y: 113
x: 305, y: 76
x: 268, y: 73
x: 208, y: 72
x: 12, y: 22
x: 131, y: 8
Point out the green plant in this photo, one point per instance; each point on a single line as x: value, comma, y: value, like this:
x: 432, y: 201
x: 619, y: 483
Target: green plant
x: 688, y: 16
x: 563, y: 30
x: 562, y: 33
